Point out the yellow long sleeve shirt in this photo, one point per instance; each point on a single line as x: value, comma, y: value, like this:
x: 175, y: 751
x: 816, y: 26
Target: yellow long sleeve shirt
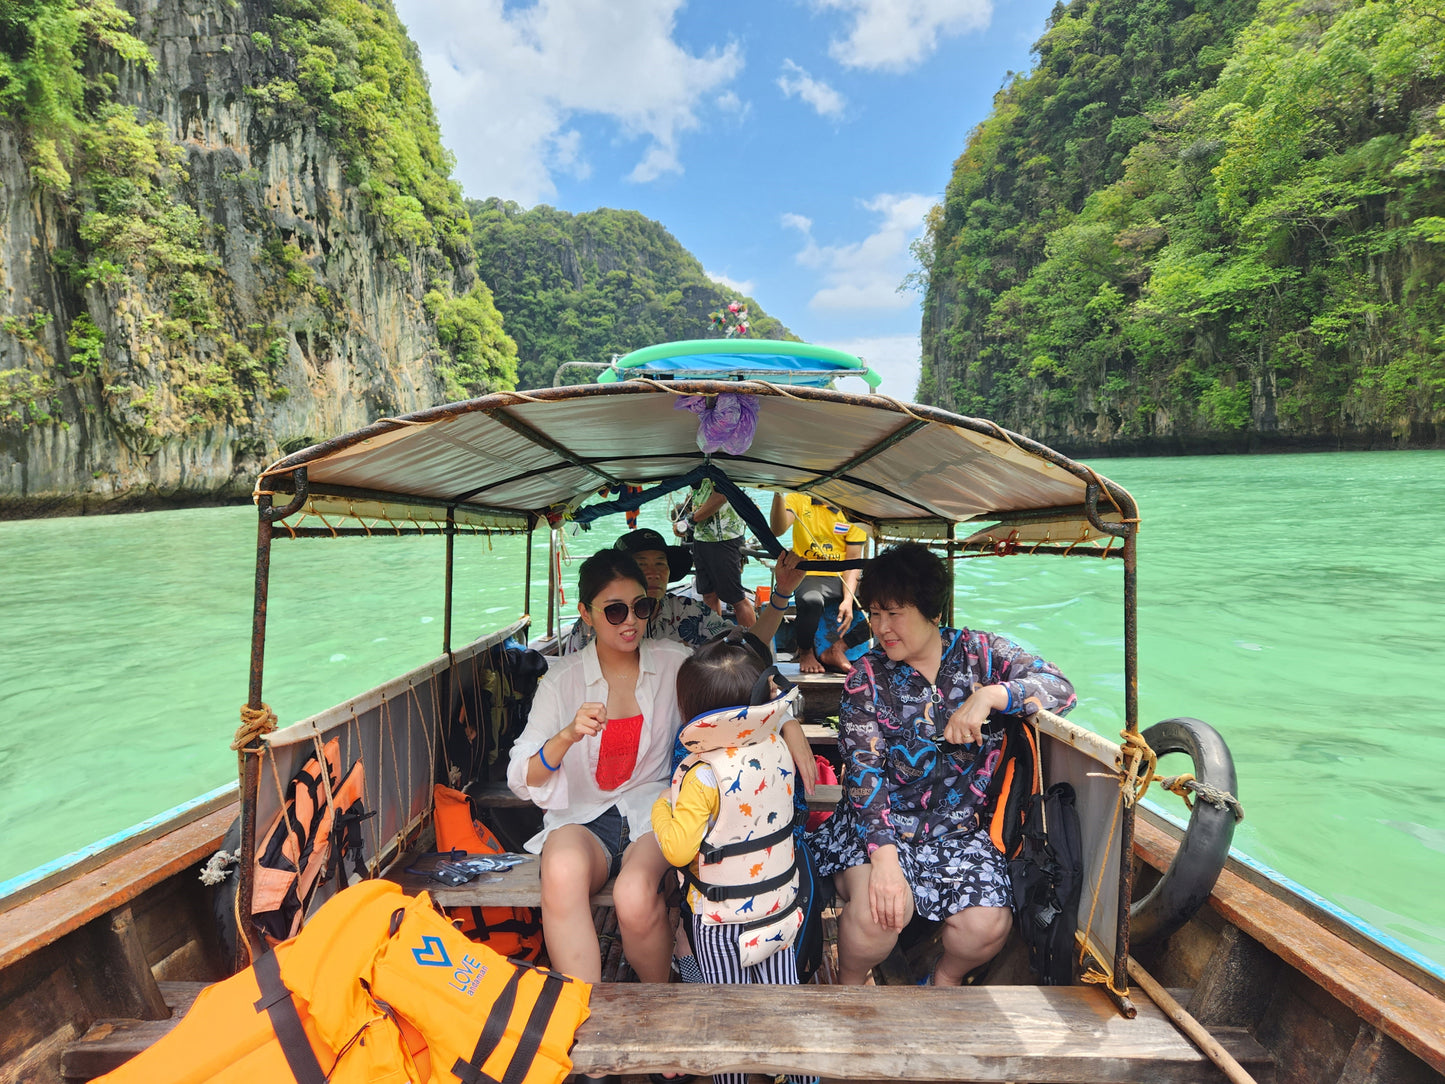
x: 680, y: 829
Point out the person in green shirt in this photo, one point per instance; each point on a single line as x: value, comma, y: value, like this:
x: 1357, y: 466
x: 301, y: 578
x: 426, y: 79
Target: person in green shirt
x: 717, y: 552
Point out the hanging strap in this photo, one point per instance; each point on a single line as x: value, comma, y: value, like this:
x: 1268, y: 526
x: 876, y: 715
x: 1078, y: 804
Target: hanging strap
x: 470, y: 1072
x: 286, y: 1021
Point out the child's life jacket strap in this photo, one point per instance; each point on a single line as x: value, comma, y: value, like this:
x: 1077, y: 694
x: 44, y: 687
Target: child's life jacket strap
x: 286, y: 1021
x: 716, y: 853
x: 776, y: 916
x: 718, y: 893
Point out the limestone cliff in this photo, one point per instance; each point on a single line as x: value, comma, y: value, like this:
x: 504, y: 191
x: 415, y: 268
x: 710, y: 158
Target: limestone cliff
x: 213, y: 273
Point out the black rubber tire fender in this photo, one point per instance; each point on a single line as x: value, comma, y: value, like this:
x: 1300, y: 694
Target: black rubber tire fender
x: 1190, y: 878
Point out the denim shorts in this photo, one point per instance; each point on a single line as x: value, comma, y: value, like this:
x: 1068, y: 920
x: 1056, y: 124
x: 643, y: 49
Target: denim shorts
x: 610, y: 828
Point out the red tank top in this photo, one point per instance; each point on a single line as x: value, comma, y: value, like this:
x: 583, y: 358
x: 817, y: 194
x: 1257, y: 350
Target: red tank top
x: 617, y: 753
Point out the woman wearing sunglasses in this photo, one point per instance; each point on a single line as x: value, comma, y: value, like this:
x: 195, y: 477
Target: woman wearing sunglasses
x: 595, y: 754
x: 917, y: 758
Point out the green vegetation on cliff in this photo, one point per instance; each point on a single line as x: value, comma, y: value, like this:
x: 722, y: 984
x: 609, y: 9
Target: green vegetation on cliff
x: 584, y: 287
x: 136, y: 312
x: 1201, y: 220
x: 349, y: 66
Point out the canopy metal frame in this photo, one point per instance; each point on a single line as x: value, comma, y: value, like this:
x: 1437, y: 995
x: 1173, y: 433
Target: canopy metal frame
x: 291, y: 476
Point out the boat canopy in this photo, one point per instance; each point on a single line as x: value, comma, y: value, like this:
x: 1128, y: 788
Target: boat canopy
x: 780, y: 361
x: 507, y: 461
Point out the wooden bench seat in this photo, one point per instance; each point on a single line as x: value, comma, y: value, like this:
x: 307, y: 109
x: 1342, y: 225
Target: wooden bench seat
x: 980, y: 1033
x: 520, y: 886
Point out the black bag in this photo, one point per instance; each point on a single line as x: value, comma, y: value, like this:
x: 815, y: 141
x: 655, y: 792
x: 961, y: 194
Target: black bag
x: 814, y: 893
x: 1048, y: 878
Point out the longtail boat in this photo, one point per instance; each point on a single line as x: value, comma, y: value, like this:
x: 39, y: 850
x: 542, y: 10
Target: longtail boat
x: 1186, y: 971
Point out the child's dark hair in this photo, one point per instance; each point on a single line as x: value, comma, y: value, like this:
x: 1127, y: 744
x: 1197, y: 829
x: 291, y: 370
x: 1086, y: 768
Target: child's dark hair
x: 907, y: 574
x: 721, y: 674
x: 602, y: 568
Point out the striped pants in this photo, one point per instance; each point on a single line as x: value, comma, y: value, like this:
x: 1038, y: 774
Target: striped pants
x: 716, y: 948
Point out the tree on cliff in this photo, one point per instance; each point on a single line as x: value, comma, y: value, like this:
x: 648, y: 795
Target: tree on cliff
x: 1200, y: 219
x: 584, y: 287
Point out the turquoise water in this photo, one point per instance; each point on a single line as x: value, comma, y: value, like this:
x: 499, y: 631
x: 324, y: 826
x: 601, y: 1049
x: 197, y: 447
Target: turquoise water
x: 1294, y: 602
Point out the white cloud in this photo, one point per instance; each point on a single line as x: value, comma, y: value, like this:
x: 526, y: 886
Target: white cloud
x: 896, y: 358
x: 729, y: 102
x: 866, y: 275
x: 795, y: 82
x: 897, y: 34
x: 507, y: 81
x: 738, y: 286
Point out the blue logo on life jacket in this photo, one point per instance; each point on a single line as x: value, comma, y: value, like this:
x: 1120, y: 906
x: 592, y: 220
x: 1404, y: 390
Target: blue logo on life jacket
x: 432, y: 953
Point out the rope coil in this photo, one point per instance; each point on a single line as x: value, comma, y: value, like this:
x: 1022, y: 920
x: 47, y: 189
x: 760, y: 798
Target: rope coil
x: 254, y: 723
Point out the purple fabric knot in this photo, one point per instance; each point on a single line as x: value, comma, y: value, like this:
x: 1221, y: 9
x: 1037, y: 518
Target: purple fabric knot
x: 727, y: 424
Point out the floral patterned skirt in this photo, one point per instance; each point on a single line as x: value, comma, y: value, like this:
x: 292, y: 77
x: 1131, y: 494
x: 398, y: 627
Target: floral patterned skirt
x: 947, y: 873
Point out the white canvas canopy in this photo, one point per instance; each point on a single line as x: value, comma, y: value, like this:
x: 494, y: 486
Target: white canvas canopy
x: 507, y: 460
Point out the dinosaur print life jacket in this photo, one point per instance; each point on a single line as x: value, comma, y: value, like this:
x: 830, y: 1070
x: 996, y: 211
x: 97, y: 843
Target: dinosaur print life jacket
x: 746, y: 869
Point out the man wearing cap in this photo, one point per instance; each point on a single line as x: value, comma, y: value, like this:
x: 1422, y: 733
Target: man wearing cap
x: 679, y: 617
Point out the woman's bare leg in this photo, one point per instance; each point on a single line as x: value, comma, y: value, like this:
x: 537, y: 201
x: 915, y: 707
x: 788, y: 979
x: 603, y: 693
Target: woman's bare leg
x: 642, y: 910
x: 971, y: 937
x: 862, y: 943
x: 574, y: 866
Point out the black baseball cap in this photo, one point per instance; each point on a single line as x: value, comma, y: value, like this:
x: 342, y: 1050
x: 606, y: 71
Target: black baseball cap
x: 679, y: 560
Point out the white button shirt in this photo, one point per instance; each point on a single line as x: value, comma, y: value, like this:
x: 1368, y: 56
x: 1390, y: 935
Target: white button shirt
x: 570, y: 795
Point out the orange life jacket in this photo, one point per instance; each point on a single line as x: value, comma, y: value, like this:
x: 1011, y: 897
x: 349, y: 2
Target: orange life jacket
x: 512, y: 931
x: 307, y: 844
x: 377, y: 989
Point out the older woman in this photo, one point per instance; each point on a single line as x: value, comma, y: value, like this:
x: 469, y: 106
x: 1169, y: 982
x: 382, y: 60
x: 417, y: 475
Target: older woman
x: 906, y: 837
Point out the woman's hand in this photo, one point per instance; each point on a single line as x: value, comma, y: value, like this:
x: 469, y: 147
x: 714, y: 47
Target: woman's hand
x: 889, y: 897
x: 786, y: 574
x: 965, y: 725
x: 588, y: 722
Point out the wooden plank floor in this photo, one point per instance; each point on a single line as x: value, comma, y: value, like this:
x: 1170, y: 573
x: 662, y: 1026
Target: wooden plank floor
x: 979, y: 1033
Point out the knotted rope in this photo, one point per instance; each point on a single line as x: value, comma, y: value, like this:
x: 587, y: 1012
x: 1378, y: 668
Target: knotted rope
x: 1135, y: 763
x: 1185, y: 784
x: 254, y: 723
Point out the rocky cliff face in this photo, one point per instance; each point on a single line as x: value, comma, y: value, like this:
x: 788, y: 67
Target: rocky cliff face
x: 275, y: 314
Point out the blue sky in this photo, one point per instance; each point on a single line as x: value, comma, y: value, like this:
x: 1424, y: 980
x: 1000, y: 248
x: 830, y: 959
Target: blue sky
x: 793, y: 146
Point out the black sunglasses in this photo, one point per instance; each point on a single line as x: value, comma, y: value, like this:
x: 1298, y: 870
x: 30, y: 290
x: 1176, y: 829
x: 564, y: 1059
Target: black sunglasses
x: 616, y: 612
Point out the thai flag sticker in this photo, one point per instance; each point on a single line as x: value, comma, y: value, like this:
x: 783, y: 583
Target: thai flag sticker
x: 840, y: 528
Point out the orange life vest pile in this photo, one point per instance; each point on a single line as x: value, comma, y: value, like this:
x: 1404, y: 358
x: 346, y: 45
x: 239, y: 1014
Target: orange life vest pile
x: 378, y: 988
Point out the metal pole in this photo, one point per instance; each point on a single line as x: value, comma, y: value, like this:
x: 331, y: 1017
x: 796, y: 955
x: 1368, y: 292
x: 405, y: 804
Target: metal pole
x: 1131, y: 724
x: 451, y: 532
x: 551, y: 579
x: 527, y: 589
x: 249, y: 757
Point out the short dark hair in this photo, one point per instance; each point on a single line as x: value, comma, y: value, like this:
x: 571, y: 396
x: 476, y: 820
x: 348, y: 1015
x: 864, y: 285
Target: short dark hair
x: 602, y: 568
x: 907, y: 575
x: 721, y: 674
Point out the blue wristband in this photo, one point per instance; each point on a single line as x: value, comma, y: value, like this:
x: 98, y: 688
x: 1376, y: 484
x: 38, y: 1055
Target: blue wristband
x: 543, y: 758
x: 1007, y: 708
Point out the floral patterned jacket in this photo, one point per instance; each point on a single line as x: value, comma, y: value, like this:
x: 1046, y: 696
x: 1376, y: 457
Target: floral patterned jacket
x: 898, y: 781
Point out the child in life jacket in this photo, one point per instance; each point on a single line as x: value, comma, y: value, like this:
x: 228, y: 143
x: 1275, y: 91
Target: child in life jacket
x: 727, y: 823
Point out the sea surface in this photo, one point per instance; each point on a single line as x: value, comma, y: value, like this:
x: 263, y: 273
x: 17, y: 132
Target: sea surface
x: 1296, y: 602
